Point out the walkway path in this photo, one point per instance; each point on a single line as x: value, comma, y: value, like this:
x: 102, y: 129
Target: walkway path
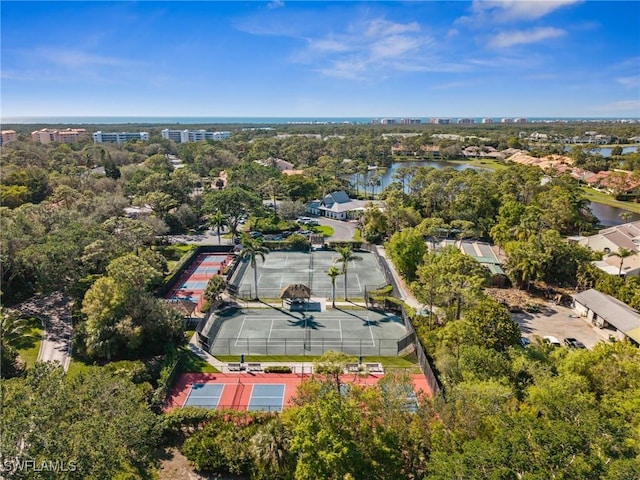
x: 55, y: 313
x: 405, y: 293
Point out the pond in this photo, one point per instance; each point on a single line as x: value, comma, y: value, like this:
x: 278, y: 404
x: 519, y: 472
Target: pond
x: 607, y: 215
x: 383, y: 177
x: 606, y: 151
x: 610, y: 216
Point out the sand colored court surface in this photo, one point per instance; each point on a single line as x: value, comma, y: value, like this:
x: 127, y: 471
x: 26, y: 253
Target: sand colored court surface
x: 261, y: 391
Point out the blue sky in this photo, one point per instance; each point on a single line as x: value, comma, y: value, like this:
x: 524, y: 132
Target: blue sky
x: 561, y: 58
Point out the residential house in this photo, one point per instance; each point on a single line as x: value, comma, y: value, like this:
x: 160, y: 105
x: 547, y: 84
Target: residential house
x: 482, y: 252
x: 278, y: 163
x: 610, y: 240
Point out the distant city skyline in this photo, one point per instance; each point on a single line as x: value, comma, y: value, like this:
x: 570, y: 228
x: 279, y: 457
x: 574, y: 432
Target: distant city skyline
x: 556, y: 59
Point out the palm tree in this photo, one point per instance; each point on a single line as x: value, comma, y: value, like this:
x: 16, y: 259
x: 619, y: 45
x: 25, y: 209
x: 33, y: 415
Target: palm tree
x: 251, y: 249
x: 333, y: 273
x: 623, y: 253
x: 215, y: 287
x: 13, y: 332
x: 268, y: 447
x: 626, y: 216
x: 346, y: 256
x: 218, y: 220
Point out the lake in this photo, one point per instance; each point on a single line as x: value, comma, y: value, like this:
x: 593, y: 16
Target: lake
x: 606, y: 151
x: 386, y: 175
x: 610, y: 216
x: 607, y: 215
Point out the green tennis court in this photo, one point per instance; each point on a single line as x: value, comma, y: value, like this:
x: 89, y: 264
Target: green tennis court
x: 276, y: 331
x: 283, y: 268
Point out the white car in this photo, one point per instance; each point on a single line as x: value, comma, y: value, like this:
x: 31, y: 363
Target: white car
x: 551, y: 340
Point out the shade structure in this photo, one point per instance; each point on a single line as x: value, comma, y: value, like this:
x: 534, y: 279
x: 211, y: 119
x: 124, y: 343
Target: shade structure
x: 295, y: 291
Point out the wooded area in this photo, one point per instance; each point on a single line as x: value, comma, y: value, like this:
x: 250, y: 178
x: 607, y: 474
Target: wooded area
x: 506, y: 412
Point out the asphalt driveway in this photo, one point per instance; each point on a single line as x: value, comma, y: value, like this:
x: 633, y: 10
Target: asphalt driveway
x: 561, y: 322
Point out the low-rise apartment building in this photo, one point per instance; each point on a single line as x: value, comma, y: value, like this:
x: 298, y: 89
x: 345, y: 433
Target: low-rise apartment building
x: 186, y: 136
x: 8, y: 136
x: 48, y: 135
x: 119, y: 137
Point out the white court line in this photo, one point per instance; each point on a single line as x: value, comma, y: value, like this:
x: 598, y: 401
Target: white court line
x: 358, y: 279
x: 340, y: 325
x: 371, y: 331
x: 286, y: 258
x: 240, y: 331
x: 324, y: 330
x: 270, y: 330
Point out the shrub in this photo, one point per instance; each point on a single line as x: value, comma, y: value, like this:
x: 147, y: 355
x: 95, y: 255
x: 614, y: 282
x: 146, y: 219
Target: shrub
x: 278, y: 369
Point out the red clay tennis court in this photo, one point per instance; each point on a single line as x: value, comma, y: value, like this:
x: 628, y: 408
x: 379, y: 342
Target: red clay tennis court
x: 194, y: 280
x: 262, y: 391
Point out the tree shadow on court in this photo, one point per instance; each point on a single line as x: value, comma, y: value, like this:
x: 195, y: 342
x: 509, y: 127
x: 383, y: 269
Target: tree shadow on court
x: 307, y: 321
x: 365, y: 320
x: 282, y: 310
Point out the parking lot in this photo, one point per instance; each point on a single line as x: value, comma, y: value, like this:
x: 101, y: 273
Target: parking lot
x: 561, y: 322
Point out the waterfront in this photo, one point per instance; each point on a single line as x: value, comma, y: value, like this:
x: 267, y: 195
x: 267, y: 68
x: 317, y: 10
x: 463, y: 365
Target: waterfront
x: 378, y: 179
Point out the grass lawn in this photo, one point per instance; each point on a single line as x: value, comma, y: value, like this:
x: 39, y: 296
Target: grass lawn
x: 487, y: 163
x: 174, y: 252
x: 76, y: 366
x: 29, y: 347
x: 387, y: 362
x: 324, y: 230
x: 601, y: 197
x: 191, y: 363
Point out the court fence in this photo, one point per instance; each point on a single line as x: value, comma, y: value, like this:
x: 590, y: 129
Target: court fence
x: 299, y: 347
x: 382, y: 264
x: 185, y: 262
x: 423, y: 360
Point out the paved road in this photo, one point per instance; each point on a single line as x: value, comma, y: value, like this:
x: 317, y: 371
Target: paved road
x: 342, y: 231
x: 55, y: 312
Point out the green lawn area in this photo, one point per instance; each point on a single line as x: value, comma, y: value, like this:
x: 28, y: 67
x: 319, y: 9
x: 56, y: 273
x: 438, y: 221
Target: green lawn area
x: 602, y: 197
x: 191, y: 363
x: 324, y: 230
x: 76, y: 366
x: 488, y: 163
x: 174, y: 252
x: 387, y: 362
x: 29, y: 346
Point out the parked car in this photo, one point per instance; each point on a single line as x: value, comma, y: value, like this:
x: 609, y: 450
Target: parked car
x: 573, y: 343
x: 525, y: 342
x: 551, y: 340
x: 254, y: 234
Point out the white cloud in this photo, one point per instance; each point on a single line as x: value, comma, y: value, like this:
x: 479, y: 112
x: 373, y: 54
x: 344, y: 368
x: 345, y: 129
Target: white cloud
x: 621, y: 107
x: 381, y: 27
x: 275, y: 4
x: 512, y: 10
x: 450, y: 85
x: 535, y: 35
x: 371, y: 49
x: 629, y: 82
x: 328, y: 45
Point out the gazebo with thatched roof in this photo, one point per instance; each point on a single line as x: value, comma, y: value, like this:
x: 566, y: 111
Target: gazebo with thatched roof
x: 294, y: 293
